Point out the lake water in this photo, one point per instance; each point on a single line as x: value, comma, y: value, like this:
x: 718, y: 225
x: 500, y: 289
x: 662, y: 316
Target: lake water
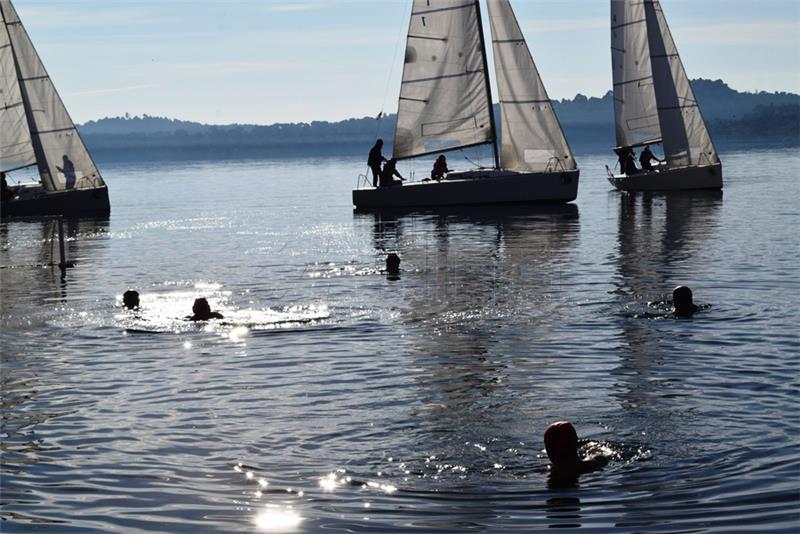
x: 333, y: 398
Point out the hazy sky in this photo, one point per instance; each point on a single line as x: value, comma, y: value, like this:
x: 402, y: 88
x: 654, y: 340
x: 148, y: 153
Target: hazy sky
x: 290, y: 61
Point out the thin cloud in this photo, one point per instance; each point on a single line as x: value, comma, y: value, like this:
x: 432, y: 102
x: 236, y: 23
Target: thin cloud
x: 127, y: 89
x: 289, y: 8
x: 564, y: 25
x: 227, y: 67
x: 770, y: 33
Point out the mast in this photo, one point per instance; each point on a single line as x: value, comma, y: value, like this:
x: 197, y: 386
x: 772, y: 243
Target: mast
x: 488, y: 86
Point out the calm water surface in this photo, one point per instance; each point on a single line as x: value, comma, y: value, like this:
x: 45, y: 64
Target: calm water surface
x: 332, y: 398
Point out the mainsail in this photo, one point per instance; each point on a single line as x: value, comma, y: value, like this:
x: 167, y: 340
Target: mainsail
x: 62, y: 158
x: 686, y: 138
x: 444, y: 99
x: 532, y: 139
x: 635, y: 109
x: 16, y: 148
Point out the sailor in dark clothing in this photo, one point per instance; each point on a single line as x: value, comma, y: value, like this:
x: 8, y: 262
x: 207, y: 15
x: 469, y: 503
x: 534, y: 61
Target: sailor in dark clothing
x: 374, y: 161
x: 627, y: 161
x: 6, y: 193
x: 439, y: 168
x: 388, y: 174
x: 645, y: 157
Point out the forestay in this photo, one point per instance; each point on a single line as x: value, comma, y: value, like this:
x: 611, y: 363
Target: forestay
x: 444, y: 102
x: 532, y: 139
x: 686, y: 138
x: 635, y: 109
x: 16, y: 149
x: 60, y: 153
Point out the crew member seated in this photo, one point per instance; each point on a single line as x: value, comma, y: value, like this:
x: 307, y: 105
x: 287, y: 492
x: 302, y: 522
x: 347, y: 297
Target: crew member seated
x: 439, y: 168
x: 645, y: 157
x: 389, y: 172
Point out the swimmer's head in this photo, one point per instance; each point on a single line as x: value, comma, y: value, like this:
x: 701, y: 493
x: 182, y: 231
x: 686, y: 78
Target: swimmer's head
x: 392, y: 263
x: 130, y: 299
x: 561, y: 442
x: 201, y: 308
x: 682, y: 301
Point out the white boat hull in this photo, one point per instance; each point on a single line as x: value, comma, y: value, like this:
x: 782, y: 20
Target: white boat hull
x: 676, y: 179
x: 474, y: 188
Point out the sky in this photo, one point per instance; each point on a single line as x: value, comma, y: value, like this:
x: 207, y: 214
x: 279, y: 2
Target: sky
x: 261, y: 62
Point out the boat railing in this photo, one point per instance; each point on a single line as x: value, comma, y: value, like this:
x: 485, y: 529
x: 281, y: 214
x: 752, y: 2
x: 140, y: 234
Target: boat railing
x: 362, y: 182
x: 554, y: 164
x: 704, y: 156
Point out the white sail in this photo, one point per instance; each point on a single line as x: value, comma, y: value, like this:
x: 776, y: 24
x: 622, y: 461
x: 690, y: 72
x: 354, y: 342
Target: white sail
x: 683, y: 130
x: 444, y: 101
x: 16, y: 149
x: 63, y: 160
x: 635, y: 109
x: 532, y: 139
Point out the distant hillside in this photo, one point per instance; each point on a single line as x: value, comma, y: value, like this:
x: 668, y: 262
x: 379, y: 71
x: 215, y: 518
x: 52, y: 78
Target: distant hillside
x: 587, y: 121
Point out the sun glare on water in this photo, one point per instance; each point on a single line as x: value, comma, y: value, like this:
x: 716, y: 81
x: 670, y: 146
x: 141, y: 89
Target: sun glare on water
x: 275, y: 519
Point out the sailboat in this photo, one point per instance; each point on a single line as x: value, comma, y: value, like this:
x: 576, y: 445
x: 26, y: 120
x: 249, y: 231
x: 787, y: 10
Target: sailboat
x: 654, y: 103
x: 36, y: 130
x: 446, y: 104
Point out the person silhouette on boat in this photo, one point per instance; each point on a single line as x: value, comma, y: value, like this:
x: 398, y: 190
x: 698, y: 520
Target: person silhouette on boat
x: 130, y: 299
x: 439, y: 168
x: 374, y: 161
x: 202, y: 311
x: 646, y: 157
x: 682, y: 302
x: 389, y: 172
x: 561, y: 444
x: 627, y: 160
x: 68, y: 170
x: 6, y: 193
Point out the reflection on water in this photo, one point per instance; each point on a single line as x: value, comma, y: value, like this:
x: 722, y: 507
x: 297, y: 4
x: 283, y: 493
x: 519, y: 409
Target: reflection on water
x: 331, y: 398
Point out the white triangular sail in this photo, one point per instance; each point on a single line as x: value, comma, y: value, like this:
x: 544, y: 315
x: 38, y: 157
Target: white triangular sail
x: 444, y: 102
x: 63, y: 160
x: 683, y: 130
x: 635, y: 109
x: 532, y: 139
x: 16, y: 148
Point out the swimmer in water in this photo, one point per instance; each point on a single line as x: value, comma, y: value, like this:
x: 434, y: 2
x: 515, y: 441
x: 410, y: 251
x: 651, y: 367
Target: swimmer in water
x: 393, y: 263
x: 561, y: 444
x: 202, y: 311
x: 682, y: 303
x: 130, y: 299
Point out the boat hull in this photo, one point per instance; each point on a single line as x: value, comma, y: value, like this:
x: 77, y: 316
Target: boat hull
x: 677, y: 179
x: 474, y: 188
x: 34, y: 202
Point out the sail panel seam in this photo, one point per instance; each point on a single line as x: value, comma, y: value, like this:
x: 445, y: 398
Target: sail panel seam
x: 678, y: 107
x: 634, y: 81
x: 628, y: 23
x: 9, y: 106
x: 467, y: 73
x: 54, y: 131
x: 441, y: 9
x: 546, y: 101
x: 429, y: 38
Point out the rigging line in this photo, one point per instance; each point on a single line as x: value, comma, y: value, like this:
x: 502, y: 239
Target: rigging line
x: 469, y: 160
x: 391, y: 70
